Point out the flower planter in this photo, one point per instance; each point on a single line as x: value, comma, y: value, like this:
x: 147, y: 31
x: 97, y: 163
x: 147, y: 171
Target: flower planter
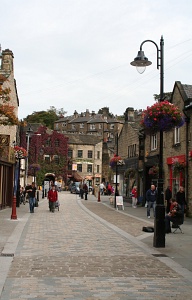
x: 162, y: 116
x: 20, y: 152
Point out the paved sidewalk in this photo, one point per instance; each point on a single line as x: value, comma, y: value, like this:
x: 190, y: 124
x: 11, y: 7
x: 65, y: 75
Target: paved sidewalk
x: 86, y: 251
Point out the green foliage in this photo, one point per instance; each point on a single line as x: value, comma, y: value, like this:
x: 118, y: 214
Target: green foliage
x: 46, y: 118
x: 167, y: 96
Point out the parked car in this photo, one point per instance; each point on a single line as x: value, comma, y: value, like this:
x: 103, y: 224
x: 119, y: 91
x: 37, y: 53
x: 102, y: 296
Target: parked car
x: 75, y: 188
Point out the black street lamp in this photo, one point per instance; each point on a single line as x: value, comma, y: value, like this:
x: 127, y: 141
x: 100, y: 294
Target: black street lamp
x: 140, y: 62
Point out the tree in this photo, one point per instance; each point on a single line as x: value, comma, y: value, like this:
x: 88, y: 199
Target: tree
x: 7, y: 114
x: 167, y: 96
x: 46, y: 118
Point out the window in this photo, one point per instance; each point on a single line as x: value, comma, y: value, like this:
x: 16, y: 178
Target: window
x: 79, y: 167
x: 70, y: 167
x: 80, y: 153
x: 132, y: 150
x: 57, y: 143
x: 64, y: 124
x: 98, y: 168
x: 82, y: 125
x: 112, y: 126
x: 47, y: 158
x: 56, y: 126
x: 92, y: 126
x: 72, y: 126
x: 177, y: 135
x: 98, y: 154
x: 48, y: 143
x: 154, y: 142
x: 89, y: 168
x: 100, y: 126
x: 90, y: 154
x: 56, y: 159
x: 70, y: 153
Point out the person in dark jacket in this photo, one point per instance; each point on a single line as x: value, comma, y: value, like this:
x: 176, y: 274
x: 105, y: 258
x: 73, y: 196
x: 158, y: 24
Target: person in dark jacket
x: 174, y: 214
x: 151, y: 196
x: 180, y: 197
x: 31, y: 192
x: 168, y: 196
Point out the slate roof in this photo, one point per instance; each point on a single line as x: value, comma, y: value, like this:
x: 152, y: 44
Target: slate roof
x: 188, y: 90
x: 83, y: 139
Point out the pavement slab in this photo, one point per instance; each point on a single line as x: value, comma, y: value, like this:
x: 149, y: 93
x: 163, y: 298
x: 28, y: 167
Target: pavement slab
x: 87, y: 251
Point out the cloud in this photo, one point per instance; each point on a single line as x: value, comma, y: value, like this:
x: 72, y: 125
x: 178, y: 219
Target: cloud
x: 76, y: 54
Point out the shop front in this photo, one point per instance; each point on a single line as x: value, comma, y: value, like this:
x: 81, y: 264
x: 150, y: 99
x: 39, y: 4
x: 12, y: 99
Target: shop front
x: 176, y: 166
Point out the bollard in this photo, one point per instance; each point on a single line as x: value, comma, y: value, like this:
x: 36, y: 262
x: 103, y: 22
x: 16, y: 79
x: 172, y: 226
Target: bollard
x: 14, y: 214
x: 99, y: 200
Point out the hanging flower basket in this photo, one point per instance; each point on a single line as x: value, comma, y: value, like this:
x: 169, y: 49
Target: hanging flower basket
x: 130, y: 173
x: 178, y: 167
x: 114, y: 160
x: 154, y: 170
x: 20, y: 152
x: 35, y: 167
x: 162, y: 116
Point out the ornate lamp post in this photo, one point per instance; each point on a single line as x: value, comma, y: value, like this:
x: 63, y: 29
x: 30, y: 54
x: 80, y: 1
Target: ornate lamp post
x: 140, y: 62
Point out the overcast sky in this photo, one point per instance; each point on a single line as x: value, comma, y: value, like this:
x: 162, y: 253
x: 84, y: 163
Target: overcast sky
x: 76, y: 54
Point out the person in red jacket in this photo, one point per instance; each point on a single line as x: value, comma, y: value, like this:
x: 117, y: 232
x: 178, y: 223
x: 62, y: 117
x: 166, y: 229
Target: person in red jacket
x: 52, y: 197
x: 134, y: 197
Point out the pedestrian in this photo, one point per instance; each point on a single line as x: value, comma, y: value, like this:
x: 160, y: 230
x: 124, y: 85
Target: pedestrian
x: 81, y: 192
x: 168, y: 196
x: 151, y: 196
x: 134, y: 196
x: 174, y: 214
x: 101, y: 188
x: 180, y: 197
x: 52, y: 197
x: 85, y: 190
x: 109, y: 189
x: 31, y: 192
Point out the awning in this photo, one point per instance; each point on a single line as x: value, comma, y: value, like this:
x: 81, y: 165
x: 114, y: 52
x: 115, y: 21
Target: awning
x: 88, y: 177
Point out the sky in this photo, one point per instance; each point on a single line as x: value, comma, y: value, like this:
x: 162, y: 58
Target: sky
x: 76, y: 54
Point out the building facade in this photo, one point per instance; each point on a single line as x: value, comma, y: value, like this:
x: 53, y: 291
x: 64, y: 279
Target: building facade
x: 8, y: 134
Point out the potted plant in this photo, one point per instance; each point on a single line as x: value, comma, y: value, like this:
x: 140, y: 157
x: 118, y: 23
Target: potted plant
x: 162, y: 116
x: 154, y: 170
x: 130, y: 173
x: 178, y: 167
x: 114, y: 160
x: 20, y: 152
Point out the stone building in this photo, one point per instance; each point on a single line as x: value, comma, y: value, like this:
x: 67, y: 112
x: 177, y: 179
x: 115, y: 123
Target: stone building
x: 8, y: 134
x: 128, y: 149
x: 85, y: 153
x: 178, y: 146
x: 102, y: 126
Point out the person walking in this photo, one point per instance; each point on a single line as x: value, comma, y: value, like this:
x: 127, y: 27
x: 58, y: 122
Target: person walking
x: 101, y: 188
x: 134, y: 196
x: 85, y: 189
x: 168, y: 196
x: 31, y: 192
x: 81, y: 192
x: 180, y: 198
x: 151, y: 196
x: 52, y: 197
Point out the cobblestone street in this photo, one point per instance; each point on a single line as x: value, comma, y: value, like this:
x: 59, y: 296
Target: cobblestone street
x: 85, y: 251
